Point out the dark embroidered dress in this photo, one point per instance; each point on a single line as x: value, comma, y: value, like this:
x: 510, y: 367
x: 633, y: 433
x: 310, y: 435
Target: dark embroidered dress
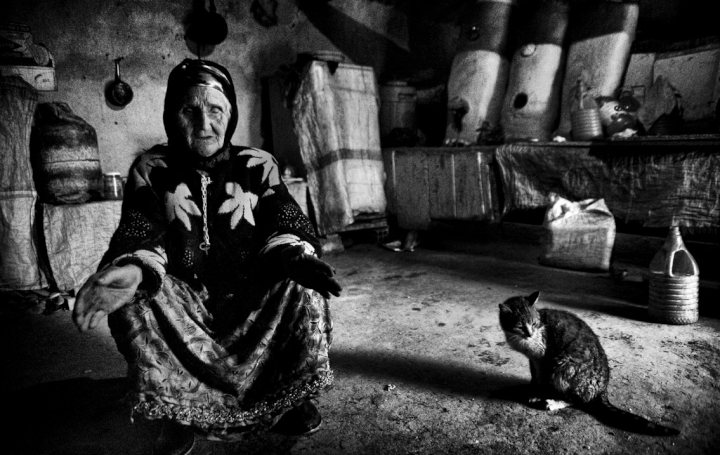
x: 218, y: 337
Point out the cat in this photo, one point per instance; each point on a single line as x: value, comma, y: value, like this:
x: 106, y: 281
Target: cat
x: 568, y: 365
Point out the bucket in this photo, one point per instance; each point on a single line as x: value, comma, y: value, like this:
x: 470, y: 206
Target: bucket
x: 674, y: 283
x: 479, y: 71
x: 532, y: 101
x: 64, y: 154
x: 397, y: 107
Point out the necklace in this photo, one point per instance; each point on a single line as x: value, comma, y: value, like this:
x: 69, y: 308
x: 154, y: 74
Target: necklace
x: 204, y: 182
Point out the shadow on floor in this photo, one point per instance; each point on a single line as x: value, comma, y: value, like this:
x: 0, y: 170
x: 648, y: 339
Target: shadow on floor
x: 632, y: 306
x: 604, y: 305
x: 79, y: 416
x: 442, y: 376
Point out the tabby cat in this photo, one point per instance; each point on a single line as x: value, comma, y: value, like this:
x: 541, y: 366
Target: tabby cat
x: 567, y: 363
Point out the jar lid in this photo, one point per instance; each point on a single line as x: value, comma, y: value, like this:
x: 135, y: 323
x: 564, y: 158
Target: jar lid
x: 328, y: 56
x: 112, y: 174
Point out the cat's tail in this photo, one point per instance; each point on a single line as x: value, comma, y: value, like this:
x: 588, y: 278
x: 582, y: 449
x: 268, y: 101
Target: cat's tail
x: 613, y: 416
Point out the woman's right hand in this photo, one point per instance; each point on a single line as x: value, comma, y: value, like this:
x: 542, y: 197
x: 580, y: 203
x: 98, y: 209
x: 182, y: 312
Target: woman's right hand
x: 105, y: 292
x: 310, y: 272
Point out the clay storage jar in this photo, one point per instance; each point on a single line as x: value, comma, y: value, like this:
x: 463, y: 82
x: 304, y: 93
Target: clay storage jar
x: 64, y: 155
x: 532, y: 101
x: 479, y: 71
x: 674, y: 283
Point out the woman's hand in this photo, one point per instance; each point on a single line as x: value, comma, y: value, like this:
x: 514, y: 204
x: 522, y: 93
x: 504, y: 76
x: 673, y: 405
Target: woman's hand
x: 310, y: 272
x: 105, y: 292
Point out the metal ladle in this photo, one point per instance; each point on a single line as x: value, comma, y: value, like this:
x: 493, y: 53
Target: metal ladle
x: 118, y: 92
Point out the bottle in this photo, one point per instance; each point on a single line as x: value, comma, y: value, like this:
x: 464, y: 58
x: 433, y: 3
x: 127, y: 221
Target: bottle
x: 674, y: 282
x: 112, y: 186
x: 585, y: 116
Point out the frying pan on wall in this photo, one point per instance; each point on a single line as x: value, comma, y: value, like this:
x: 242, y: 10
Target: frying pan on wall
x: 118, y: 92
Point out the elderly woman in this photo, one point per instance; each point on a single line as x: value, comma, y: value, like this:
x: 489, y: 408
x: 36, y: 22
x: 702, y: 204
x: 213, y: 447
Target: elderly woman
x: 213, y: 285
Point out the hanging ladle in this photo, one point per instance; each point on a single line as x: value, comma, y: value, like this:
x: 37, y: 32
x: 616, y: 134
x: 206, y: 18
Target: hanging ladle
x: 118, y: 92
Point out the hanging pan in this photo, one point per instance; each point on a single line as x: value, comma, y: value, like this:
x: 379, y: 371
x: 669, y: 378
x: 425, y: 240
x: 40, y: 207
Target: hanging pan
x: 207, y: 27
x: 118, y: 92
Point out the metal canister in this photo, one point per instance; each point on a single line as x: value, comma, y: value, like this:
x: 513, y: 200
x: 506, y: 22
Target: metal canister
x: 397, y: 107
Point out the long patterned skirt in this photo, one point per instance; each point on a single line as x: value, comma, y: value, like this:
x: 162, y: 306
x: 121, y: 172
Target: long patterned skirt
x: 235, y: 363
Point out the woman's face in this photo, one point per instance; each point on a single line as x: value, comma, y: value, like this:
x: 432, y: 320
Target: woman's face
x: 203, y: 118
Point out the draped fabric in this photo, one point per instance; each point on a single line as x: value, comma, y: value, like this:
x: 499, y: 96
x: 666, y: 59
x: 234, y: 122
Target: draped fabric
x: 19, y: 262
x: 650, y: 183
x: 335, y: 114
x: 233, y: 375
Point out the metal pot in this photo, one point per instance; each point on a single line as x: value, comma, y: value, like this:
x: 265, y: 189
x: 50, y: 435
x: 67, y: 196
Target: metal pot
x: 207, y: 27
x: 118, y: 92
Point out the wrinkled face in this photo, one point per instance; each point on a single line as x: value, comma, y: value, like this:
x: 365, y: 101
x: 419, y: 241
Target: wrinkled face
x: 203, y: 118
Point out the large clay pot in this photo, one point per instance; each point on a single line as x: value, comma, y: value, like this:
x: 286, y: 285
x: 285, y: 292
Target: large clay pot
x: 600, y: 36
x: 479, y: 72
x: 532, y: 100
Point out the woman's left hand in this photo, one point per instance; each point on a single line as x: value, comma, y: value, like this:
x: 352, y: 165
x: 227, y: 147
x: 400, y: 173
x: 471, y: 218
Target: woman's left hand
x: 310, y: 272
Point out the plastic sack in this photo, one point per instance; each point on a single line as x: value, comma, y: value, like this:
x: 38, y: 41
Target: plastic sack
x: 578, y: 235
x: 335, y: 116
x: 64, y: 155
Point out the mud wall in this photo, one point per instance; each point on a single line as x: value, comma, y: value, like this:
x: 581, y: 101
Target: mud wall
x: 86, y: 36
x: 398, y: 38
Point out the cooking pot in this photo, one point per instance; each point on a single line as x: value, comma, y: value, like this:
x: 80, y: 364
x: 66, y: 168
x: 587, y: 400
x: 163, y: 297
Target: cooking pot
x: 207, y: 27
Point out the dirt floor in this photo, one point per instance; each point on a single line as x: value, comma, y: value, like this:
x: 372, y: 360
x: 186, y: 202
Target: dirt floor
x: 421, y: 366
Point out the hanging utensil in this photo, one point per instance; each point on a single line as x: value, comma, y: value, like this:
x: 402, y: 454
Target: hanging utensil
x: 118, y: 92
x: 207, y: 27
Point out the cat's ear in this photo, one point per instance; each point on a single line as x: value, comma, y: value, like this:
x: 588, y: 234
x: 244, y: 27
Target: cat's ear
x: 504, y: 308
x: 533, y: 298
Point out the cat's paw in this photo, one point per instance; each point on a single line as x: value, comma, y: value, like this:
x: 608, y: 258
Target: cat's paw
x: 554, y: 405
x: 545, y: 404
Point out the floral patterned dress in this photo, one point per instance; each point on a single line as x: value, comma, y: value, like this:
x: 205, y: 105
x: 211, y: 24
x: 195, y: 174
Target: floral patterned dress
x: 218, y: 336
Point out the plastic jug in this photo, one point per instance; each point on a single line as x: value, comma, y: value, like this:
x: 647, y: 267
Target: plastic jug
x: 585, y: 116
x: 674, y: 282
